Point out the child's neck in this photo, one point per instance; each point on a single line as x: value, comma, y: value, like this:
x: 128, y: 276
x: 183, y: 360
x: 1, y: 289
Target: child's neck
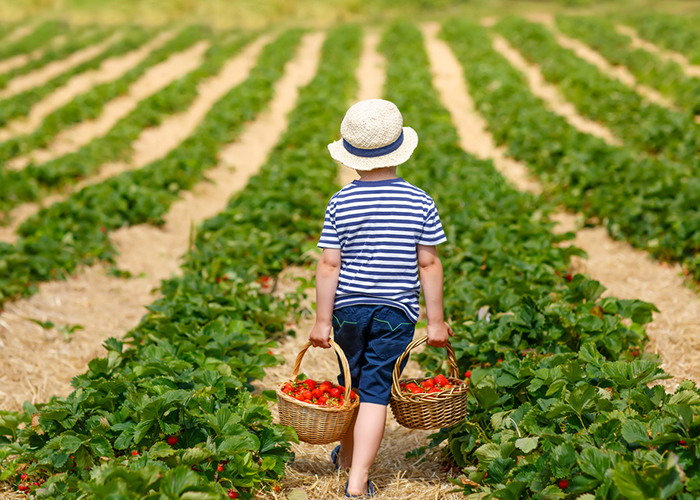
x: 378, y: 174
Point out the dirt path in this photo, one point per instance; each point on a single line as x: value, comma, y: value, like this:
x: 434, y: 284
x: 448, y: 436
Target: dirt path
x: 153, y: 80
x: 627, y: 273
x: 667, y: 55
x: 109, y: 70
x: 53, y: 69
x: 593, y: 57
x: 550, y: 94
x: 38, y: 363
x: 19, y: 32
x: 18, y: 61
x: 311, y: 472
x: 370, y: 78
x: 161, y: 139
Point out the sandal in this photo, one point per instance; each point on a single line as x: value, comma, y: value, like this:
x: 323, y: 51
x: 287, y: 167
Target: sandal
x: 370, y: 491
x: 335, y: 457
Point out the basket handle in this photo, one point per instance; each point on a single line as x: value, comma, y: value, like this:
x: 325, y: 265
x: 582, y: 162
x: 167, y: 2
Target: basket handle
x: 343, y: 362
x: 451, y: 359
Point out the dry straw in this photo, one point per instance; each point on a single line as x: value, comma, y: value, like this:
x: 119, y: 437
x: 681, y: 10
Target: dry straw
x: 429, y: 410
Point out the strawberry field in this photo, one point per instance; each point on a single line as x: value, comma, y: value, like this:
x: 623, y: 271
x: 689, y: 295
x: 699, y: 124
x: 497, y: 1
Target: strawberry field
x: 149, y: 302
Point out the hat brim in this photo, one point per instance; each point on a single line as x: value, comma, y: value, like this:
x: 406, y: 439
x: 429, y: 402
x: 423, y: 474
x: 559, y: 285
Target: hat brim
x: 393, y: 159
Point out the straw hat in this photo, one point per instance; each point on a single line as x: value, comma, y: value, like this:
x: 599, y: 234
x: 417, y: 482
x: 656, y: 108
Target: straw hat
x: 373, y: 137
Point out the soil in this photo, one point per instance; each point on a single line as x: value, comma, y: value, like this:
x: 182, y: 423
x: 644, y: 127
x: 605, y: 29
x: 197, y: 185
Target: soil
x: 155, y: 78
x: 109, y: 70
x: 626, y: 272
x: 38, y: 363
x: 668, y: 55
x: 593, y: 57
x: 550, y: 94
x: 371, y: 76
x: 53, y: 69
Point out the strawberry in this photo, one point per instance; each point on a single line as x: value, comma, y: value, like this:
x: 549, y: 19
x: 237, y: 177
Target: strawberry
x: 232, y: 494
x: 681, y: 442
x: 410, y: 386
x: 353, y: 396
x: 468, y: 374
x: 326, y: 386
x: 311, y: 384
x: 563, y: 484
x: 220, y: 468
x: 23, y: 477
x: 569, y: 277
x: 317, y: 393
x: 277, y: 488
x: 134, y: 453
x: 306, y: 395
x: 335, y: 392
x: 172, y: 440
x: 428, y: 384
x: 441, y: 380
x: 322, y: 400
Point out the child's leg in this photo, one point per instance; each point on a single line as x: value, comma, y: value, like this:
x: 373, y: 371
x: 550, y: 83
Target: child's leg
x: 368, y: 434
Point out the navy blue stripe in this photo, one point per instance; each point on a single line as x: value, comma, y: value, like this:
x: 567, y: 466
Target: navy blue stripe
x: 374, y: 152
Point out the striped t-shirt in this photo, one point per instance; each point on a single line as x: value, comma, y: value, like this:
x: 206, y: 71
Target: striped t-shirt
x: 377, y: 226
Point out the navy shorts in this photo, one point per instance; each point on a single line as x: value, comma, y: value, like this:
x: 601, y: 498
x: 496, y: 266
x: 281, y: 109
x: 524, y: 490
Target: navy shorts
x: 372, y: 338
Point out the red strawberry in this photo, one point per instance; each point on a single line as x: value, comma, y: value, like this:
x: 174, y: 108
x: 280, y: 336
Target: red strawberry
x: 134, y: 453
x: 232, y: 494
x: 326, y: 386
x: 681, y: 442
x: 353, y: 396
x: 317, y: 393
x: 277, y: 488
x: 335, y: 392
x: 468, y: 374
x: 428, y: 384
x: 322, y: 400
x: 311, y: 384
x: 23, y: 477
x: 220, y: 468
x: 569, y: 277
x: 563, y: 484
x: 172, y: 440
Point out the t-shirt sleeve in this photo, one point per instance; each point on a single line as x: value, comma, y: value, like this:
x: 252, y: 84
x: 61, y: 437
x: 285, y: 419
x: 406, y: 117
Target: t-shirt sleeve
x: 432, y: 233
x: 329, y: 235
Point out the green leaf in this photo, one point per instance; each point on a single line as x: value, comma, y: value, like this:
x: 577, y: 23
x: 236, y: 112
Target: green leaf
x: 141, y: 429
x: 527, y: 444
x: 633, y: 484
x: 582, y: 399
x: 69, y: 444
x: 635, y: 431
x: 594, y: 462
x: 488, y: 452
x: 685, y: 397
x: 100, y: 447
x: 195, y: 455
x: 563, y: 458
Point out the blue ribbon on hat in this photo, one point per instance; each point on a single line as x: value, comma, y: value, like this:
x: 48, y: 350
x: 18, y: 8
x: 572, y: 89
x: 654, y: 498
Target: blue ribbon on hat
x: 372, y: 153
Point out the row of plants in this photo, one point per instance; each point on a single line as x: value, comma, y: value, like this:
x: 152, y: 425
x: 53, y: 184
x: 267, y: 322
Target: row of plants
x: 665, y: 75
x: 19, y: 105
x: 559, y: 405
x: 652, y: 202
x: 78, y: 38
x: 642, y: 124
x: 35, y: 39
x: 672, y: 32
x: 32, y: 182
x: 171, y: 417
x: 60, y: 237
x: 89, y: 105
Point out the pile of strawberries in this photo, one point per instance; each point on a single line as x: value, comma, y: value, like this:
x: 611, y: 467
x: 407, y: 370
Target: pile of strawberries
x: 438, y: 383
x: 317, y: 393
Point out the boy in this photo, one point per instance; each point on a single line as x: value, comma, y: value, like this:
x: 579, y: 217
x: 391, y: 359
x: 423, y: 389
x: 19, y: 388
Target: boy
x: 379, y: 236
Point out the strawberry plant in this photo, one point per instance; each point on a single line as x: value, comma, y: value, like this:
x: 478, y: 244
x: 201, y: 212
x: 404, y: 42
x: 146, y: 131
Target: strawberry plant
x: 38, y: 37
x: 79, y: 38
x: 644, y: 125
x: 665, y: 75
x: 84, y: 107
x: 144, y: 195
x: 671, y: 32
x: 20, y: 104
x: 172, y: 416
x: 618, y: 186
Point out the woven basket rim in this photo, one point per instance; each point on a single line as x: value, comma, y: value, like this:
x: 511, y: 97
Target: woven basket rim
x: 303, y: 404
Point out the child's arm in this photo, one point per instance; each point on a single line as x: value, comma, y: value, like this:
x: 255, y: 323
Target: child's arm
x: 327, y: 272
x: 430, y: 269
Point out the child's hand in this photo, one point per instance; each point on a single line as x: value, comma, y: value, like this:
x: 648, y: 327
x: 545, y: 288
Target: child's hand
x: 320, y: 334
x: 439, y: 334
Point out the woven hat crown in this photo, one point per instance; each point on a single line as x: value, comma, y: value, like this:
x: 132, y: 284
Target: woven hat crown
x: 372, y: 124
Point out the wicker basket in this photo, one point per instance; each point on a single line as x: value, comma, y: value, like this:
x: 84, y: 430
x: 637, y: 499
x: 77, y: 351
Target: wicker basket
x: 318, y: 424
x: 429, y: 410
